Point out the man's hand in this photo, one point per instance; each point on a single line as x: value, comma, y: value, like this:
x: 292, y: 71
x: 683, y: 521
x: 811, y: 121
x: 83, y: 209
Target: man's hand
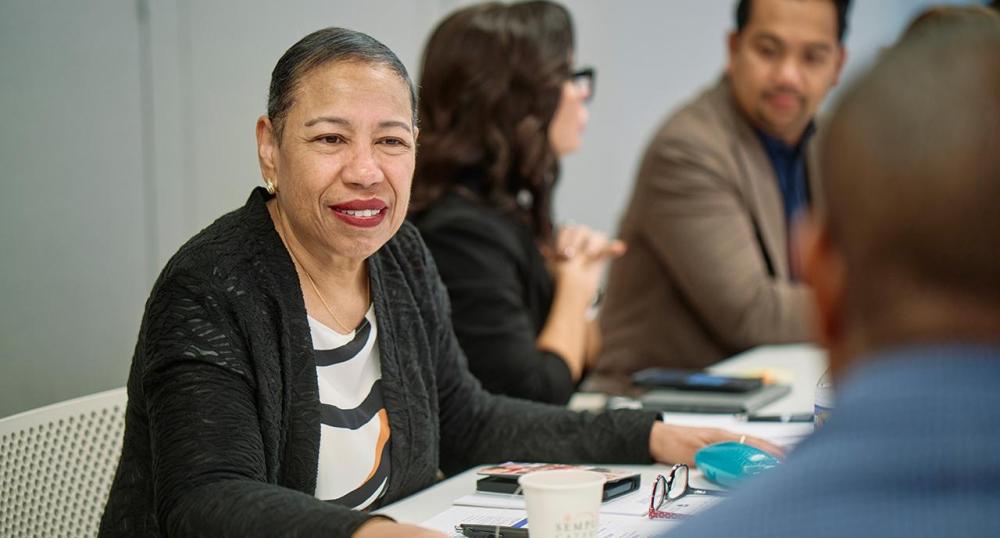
x: 677, y: 444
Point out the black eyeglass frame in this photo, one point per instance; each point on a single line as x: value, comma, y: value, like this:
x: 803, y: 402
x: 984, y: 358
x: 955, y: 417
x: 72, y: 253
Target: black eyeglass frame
x: 588, y: 73
x: 667, y: 483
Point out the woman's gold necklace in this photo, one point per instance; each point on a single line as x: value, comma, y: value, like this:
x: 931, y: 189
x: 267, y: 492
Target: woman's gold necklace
x: 313, y: 282
x: 320, y: 295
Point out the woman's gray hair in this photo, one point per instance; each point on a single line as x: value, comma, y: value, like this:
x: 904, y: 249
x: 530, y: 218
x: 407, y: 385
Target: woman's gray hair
x: 320, y: 48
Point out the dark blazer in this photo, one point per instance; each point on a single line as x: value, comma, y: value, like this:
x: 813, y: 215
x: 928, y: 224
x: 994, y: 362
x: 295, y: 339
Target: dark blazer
x: 910, y: 451
x: 222, y: 425
x: 706, y: 274
x: 501, y: 293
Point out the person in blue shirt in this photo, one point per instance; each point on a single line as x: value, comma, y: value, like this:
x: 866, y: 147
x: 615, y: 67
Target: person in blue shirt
x: 904, y: 263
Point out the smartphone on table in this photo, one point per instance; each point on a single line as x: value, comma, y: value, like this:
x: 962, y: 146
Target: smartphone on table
x: 695, y: 381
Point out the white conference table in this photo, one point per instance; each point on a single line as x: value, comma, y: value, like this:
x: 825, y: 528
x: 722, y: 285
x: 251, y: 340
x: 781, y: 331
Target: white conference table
x: 799, y: 365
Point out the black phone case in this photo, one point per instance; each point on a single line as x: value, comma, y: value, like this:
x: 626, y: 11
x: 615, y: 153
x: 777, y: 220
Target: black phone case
x: 670, y: 379
x: 508, y: 485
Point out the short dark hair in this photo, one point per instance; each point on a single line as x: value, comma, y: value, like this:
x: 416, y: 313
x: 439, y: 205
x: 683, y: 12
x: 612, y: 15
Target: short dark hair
x: 320, y: 48
x: 744, y: 7
x: 947, y: 15
x: 491, y: 82
x: 911, y: 186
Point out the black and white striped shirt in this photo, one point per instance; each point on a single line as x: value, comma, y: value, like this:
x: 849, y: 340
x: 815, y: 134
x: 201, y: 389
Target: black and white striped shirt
x: 354, y: 427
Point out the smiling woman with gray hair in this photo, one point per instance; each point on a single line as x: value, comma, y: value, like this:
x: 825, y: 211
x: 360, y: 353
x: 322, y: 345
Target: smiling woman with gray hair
x: 296, y: 364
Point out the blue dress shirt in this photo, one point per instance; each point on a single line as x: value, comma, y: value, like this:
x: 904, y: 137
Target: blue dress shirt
x: 909, y: 451
x: 790, y: 167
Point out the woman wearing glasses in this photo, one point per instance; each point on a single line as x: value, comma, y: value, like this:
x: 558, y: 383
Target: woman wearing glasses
x: 499, y: 105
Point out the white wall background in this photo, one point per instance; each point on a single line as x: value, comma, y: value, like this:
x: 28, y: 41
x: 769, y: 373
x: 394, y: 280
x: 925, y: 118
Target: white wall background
x: 127, y: 126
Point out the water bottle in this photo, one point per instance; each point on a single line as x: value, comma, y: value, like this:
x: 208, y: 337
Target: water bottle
x: 824, y: 399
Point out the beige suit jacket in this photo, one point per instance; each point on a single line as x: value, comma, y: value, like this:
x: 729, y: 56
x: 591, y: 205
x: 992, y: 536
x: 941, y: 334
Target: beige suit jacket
x: 707, y: 272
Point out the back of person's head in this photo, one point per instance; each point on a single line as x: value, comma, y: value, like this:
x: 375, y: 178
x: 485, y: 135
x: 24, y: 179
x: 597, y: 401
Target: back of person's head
x: 744, y: 9
x: 911, y: 169
x: 490, y: 84
x: 945, y: 15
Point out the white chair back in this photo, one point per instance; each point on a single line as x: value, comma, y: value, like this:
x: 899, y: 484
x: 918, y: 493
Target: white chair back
x: 56, y: 466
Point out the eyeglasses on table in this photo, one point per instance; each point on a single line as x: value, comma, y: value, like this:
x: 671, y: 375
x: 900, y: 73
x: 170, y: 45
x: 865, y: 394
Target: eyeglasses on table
x: 667, y: 490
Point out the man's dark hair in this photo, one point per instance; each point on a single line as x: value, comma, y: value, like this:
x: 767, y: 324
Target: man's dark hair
x: 744, y: 7
x: 948, y: 15
x: 911, y: 186
x: 320, y: 48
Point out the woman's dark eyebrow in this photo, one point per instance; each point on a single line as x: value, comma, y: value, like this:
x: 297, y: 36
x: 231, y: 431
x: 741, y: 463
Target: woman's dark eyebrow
x: 328, y: 119
x: 395, y: 123
x: 346, y: 123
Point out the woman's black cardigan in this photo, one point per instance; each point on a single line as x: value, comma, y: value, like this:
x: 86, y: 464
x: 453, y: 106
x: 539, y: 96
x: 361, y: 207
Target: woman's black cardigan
x: 222, y: 425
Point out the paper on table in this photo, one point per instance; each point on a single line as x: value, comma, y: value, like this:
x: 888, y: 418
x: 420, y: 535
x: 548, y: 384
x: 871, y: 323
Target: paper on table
x: 690, y: 504
x: 447, y: 521
x: 635, y: 503
x: 610, y: 525
x: 784, y: 434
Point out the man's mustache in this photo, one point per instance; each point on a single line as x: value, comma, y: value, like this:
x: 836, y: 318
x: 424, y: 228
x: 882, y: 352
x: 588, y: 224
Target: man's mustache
x: 784, y: 91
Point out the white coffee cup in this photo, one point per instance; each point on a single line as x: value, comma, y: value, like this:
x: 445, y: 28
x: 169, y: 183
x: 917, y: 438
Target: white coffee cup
x: 563, y: 503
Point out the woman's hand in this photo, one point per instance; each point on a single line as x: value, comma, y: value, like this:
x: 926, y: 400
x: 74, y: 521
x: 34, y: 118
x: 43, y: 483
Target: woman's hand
x: 579, y: 258
x: 576, y: 260
x: 677, y: 444
x: 380, y: 527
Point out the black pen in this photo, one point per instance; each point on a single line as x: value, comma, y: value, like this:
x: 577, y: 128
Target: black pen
x: 488, y: 531
x: 785, y: 417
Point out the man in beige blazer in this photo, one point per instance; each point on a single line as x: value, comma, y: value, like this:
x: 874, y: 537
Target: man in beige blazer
x: 708, y: 271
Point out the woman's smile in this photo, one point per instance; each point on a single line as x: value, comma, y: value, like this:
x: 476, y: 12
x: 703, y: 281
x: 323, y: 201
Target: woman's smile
x: 362, y: 213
